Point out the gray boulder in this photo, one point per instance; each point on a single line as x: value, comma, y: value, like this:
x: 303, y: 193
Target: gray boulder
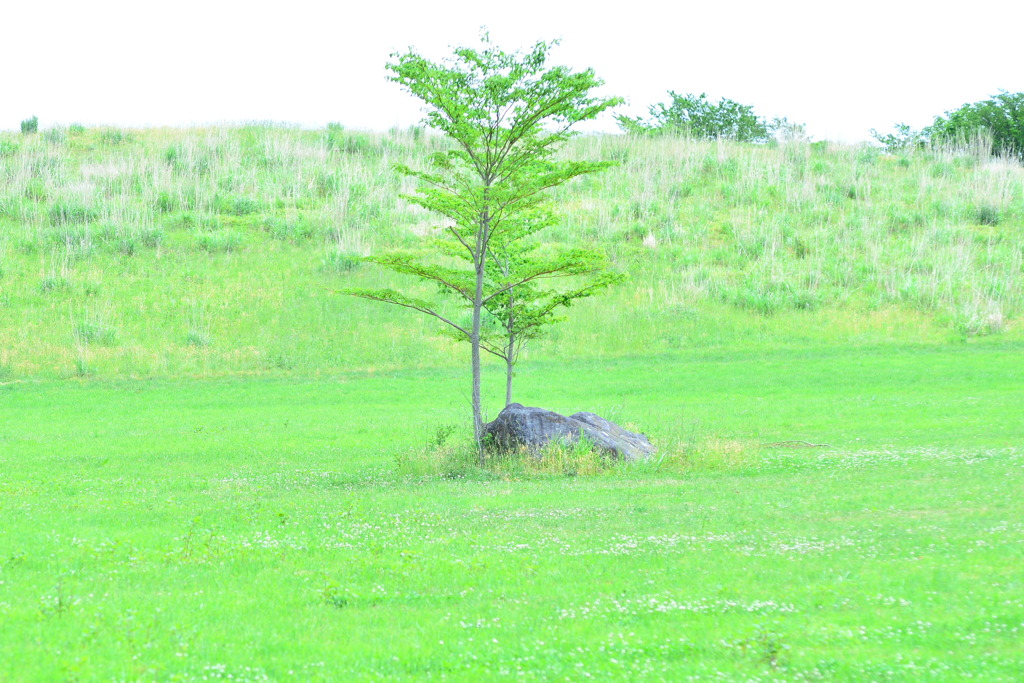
x: 519, y: 427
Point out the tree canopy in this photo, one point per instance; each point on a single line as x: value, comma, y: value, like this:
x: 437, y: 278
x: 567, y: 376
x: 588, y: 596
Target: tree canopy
x: 1001, y: 117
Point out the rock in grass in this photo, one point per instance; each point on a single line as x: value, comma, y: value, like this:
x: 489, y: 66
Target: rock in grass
x: 519, y: 427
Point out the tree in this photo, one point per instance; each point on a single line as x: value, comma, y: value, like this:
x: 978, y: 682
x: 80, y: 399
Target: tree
x: 1001, y: 117
x: 519, y: 314
x: 506, y: 115
x: 904, y: 138
x: 697, y: 116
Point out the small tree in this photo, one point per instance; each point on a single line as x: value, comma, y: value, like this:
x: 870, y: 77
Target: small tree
x: 521, y: 313
x: 29, y: 126
x: 903, y: 139
x: 506, y: 115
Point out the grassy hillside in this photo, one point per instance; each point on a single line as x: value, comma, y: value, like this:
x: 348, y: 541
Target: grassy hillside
x: 219, y: 251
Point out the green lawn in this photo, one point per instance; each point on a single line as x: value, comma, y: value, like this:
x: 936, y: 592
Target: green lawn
x: 260, y: 528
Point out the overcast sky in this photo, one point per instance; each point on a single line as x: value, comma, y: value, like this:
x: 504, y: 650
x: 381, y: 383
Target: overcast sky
x: 841, y: 68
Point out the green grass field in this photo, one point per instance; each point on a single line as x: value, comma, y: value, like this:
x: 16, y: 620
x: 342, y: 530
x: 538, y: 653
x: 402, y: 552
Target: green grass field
x: 263, y: 528
x: 214, y: 467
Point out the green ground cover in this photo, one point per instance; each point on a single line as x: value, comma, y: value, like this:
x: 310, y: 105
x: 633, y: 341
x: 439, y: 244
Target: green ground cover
x: 268, y: 528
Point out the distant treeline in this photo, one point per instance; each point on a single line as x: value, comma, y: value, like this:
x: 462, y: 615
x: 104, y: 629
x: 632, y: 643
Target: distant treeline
x: 999, y: 120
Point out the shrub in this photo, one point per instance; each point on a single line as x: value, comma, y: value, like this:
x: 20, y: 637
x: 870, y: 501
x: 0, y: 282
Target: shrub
x: 698, y: 117
x: 7, y: 149
x: 30, y: 126
x: 903, y: 139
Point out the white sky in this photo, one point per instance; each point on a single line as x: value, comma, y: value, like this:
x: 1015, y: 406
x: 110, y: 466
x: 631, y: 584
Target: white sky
x: 841, y: 68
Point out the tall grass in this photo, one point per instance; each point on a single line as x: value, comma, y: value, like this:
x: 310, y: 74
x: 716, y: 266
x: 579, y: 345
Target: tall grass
x: 727, y: 244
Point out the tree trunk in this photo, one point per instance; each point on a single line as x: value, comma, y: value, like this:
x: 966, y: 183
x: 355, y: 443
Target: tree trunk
x: 474, y: 339
x: 480, y: 259
x: 509, y: 362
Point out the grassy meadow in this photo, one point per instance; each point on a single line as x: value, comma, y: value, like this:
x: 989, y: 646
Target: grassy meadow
x: 215, y: 467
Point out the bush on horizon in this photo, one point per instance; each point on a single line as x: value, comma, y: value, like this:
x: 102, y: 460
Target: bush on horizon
x: 698, y: 117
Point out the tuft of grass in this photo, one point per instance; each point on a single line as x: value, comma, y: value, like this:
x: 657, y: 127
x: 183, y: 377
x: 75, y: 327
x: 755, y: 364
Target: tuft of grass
x: 129, y: 239
x: 711, y: 454
x: 567, y: 459
x: 351, y: 142
x: 54, y: 283
x: 70, y: 213
x: 987, y: 215
x: 447, y: 458
x: 55, y: 136
x: 113, y: 137
x: 978, y: 318
x: 219, y: 241
x: 199, y: 332
x: 95, y: 328
x: 444, y: 460
x: 8, y: 148
x: 236, y: 205
x: 290, y: 228
x: 74, y: 240
x: 338, y: 261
